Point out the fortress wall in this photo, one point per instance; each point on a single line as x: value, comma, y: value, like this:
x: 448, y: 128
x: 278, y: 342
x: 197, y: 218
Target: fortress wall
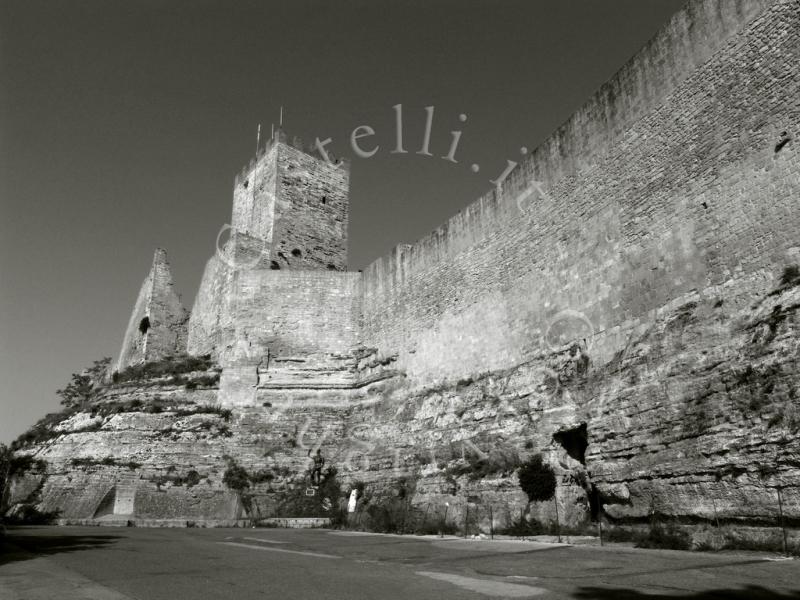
x: 299, y: 312
x: 666, y: 181
x: 206, y: 321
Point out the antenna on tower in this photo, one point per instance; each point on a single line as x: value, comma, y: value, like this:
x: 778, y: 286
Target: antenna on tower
x: 258, y: 138
x: 272, y: 131
x: 281, y: 120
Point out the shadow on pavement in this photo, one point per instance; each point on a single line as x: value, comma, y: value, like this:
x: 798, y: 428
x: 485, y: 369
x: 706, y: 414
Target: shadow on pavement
x: 24, y: 544
x: 748, y: 593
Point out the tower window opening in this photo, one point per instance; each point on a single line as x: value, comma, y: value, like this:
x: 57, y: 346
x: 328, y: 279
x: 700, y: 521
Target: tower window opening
x: 246, y: 183
x: 296, y: 252
x: 324, y: 199
x: 144, y: 325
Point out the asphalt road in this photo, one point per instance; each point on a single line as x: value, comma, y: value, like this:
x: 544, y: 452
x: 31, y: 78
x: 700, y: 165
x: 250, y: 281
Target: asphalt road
x: 196, y: 564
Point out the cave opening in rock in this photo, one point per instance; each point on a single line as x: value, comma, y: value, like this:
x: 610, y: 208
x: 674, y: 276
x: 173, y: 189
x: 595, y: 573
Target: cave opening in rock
x: 574, y: 441
x: 144, y: 325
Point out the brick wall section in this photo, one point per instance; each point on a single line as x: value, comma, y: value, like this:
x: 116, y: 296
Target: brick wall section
x: 160, y: 304
x: 666, y: 181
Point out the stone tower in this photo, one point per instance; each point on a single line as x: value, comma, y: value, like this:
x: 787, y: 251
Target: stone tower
x: 157, y: 327
x: 289, y: 222
x: 292, y: 206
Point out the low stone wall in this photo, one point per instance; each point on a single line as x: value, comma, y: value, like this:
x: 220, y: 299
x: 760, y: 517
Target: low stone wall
x: 296, y: 523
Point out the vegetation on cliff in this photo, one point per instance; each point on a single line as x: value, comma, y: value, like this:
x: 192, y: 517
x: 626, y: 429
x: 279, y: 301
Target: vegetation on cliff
x: 14, y: 466
x: 173, y: 368
x: 87, y: 386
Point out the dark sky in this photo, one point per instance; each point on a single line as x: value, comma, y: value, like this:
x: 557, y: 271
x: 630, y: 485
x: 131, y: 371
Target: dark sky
x: 123, y: 123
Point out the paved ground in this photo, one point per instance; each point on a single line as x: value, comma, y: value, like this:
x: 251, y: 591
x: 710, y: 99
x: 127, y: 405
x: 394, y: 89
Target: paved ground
x: 166, y: 564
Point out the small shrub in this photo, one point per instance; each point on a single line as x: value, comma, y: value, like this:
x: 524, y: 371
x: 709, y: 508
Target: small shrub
x: 25, y: 464
x: 389, y: 516
x: 522, y: 527
x: 424, y: 458
x: 192, y: 478
x: 669, y: 537
x: 28, y: 514
x: 499, y: 460
x: 622, y: 534
x: 43, y: 430
x: 108, y: 461
x: 262, y: 476
x: 790, y: 276
x: 173, y: 367
x: 236, y: 477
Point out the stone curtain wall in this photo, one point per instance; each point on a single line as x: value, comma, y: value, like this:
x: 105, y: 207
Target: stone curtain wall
x: 666, y: 181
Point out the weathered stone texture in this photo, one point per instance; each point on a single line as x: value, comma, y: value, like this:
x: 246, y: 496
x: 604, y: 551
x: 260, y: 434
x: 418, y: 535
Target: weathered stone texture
x: 298, y: 204
x: 682, y: 191
x: 157, y: 326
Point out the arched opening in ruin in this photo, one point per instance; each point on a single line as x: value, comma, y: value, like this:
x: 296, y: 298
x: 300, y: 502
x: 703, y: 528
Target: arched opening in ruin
x: 324, y: 199
x: 274, y: 266
x: 144, y: 325
x: 296, y: 252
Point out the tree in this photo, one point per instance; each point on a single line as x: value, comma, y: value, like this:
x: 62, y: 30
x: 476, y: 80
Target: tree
x: 537, y: 479
x: 6, y: 459
x: 85, y: 386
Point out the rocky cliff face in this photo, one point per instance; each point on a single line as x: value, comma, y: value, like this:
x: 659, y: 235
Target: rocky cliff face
x: 696, y: 418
